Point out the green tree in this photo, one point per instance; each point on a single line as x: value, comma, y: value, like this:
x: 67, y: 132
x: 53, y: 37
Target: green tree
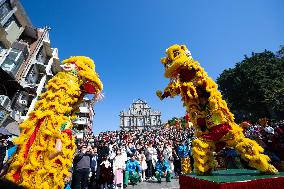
x: 254, y: 88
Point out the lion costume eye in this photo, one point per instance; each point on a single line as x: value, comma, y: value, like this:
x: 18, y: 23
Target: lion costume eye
x: 68, y: 66
x: 176, y: 53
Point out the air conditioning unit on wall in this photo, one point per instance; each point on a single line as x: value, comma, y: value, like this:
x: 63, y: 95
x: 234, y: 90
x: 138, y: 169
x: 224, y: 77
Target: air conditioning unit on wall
x: 23, y: 102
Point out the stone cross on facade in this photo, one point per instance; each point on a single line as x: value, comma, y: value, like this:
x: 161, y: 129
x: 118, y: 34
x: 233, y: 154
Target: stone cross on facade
x: 140, y: 116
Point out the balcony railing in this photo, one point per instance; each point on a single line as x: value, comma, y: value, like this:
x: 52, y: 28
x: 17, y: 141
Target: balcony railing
x: 84, y: 110
x: 81, y: 121
x: 80, y: 135
x: 11, y: 66
x: 15, y: 58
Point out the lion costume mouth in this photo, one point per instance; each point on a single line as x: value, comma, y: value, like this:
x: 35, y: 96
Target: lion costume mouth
x: 178, y: 70
x: 186, y: 75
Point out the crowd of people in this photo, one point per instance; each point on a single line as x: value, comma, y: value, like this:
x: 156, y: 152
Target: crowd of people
x: 271, y: 138
x: 118, y: 158
x: 122, y: 157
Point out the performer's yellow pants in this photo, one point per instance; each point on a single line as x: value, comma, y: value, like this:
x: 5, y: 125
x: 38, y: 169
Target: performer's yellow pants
x: 185, y: 165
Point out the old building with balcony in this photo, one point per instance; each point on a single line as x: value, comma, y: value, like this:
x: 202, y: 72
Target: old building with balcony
x: 84, y: 122
x: 27, y: 62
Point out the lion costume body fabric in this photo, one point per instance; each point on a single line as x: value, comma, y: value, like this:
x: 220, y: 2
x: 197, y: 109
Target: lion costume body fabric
x: 213, y: 121
x: 45, y: 147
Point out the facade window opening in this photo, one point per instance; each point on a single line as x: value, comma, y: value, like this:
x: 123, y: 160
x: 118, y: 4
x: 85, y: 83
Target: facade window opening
x: 13, y: 61
x: 42, y: 56
x: 5, y: 8
x: 32, y: 76
x: 10, y: 20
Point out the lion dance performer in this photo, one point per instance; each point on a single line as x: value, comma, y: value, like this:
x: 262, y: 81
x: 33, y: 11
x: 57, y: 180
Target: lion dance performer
x: 46, y: 146
x: 213, y: 121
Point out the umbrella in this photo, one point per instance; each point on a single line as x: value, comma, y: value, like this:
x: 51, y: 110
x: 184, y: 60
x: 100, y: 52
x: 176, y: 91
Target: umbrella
x: 4, y: 132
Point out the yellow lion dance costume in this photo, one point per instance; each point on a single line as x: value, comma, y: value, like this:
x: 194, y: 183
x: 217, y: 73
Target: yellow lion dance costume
x: 213, y: 121
x: 45, y: 146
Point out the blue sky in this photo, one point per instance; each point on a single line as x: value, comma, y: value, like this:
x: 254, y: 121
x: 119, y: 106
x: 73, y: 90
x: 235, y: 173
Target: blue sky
x: 127, y: 38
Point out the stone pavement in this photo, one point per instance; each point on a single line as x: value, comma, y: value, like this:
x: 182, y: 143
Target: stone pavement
x: 154, y: 185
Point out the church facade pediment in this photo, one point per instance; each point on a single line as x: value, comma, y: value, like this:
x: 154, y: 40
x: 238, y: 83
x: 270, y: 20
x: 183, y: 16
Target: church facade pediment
x: 140, y: 116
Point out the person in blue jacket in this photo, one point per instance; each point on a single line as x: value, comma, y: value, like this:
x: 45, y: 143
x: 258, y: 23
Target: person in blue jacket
x: 163, y: 169
x: 183, y: 153
x: 132, y: 171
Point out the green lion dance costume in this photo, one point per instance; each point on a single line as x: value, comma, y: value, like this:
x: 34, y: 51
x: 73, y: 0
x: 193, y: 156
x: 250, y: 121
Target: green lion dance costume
x: 213, y: 121
x: 45, y: 146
